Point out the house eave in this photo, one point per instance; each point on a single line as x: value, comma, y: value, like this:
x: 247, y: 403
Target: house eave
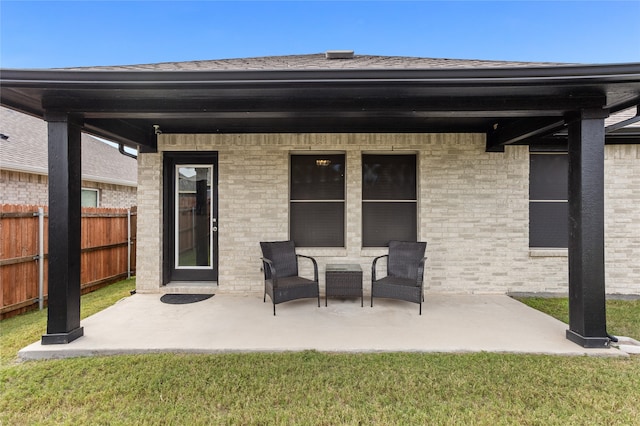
x: 509, y: 75
x: 124, y: 105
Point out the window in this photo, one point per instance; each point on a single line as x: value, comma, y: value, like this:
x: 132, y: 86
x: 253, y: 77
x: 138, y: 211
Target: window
x: 317, y: 200
x: 90, y: 197
x: 548, y: 200
x: 389, y: 199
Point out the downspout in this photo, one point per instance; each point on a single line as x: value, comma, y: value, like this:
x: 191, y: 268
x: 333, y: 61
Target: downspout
x: 40, y: 258
x: 124, y: 152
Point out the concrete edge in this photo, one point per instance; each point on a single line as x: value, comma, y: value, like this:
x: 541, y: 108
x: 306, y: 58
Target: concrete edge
x: 550, y: 295
x: 27, y: 356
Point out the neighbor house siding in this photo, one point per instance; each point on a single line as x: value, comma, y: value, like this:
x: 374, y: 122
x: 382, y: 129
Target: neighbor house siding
x: 33, y: 189
x: 473, y: 211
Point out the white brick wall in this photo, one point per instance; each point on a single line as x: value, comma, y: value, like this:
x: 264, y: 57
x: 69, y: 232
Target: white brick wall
x: 473, y: 211
x: 622, y: 212
x: 149, y: 236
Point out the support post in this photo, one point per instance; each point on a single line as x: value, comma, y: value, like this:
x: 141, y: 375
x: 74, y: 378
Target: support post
x: 587, y: 311
x: 63, y: 321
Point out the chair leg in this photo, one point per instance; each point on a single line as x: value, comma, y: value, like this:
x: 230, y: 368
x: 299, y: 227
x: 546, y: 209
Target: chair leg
x: 420, y: 308
x: 372, y: 300
x: 274, y: 309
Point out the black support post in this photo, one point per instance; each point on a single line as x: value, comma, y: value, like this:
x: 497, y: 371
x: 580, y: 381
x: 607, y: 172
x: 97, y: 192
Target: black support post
x: 65, y: 187
x: 587, y: 314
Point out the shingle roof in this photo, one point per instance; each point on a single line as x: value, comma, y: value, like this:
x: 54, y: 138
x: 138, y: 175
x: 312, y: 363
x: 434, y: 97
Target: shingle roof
x: 26, y: 150
x: 318, y: 61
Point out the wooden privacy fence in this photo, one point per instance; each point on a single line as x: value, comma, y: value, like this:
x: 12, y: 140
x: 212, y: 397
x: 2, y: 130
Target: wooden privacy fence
x: 108, y: 253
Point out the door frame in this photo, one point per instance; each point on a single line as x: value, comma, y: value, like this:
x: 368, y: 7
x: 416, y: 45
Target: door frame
x: 170, y: 160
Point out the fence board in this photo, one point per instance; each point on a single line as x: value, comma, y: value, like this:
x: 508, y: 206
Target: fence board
x: 103, y: 258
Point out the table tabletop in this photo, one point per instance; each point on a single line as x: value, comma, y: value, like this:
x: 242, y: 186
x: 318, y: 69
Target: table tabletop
x: 343, y: 268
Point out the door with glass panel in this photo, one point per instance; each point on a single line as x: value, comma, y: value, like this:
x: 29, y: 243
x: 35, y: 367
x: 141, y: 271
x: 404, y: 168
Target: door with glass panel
x: 194, y: 223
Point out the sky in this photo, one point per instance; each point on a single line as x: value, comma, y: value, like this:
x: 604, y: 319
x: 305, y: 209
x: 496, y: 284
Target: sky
x: 50, y: 34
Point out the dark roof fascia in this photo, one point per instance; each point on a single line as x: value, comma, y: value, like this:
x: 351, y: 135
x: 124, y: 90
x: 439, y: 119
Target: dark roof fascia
x: 505, y: 75
x: 619, y: 83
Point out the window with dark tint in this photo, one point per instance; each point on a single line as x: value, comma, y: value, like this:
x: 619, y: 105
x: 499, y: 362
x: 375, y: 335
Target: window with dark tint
x: 389, y: 199
x: 548, y: 200
x: 317, y: 200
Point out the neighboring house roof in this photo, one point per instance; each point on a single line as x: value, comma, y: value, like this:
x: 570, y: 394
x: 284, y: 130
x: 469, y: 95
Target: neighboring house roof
x: 318, y: 61
x: 25, y: 150
x: 625, y: 115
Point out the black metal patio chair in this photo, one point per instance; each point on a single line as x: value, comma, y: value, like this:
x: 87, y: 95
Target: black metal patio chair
x: 281, y: 280
x: 405, y: 271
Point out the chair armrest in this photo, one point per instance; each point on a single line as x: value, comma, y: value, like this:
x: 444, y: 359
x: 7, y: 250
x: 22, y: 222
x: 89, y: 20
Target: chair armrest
x: 269, y: 270
x: 420, y: 274
x: 315, y: 266
x: 373, y: 266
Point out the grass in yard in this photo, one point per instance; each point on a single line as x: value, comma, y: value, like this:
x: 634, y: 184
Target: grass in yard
x: 315, y: 388
x: 22, y: 330
x: 320, y: 388
x: 623, y: 316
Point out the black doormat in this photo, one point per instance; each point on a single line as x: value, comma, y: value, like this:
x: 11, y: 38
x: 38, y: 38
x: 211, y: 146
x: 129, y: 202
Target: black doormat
x: 181, y: 299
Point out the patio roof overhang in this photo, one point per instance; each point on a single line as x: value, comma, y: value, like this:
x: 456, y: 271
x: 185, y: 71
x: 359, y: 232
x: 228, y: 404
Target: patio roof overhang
x: 515, y: 105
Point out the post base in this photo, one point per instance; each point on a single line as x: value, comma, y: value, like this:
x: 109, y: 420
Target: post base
x: 589, y: 342
x: 62, y: 338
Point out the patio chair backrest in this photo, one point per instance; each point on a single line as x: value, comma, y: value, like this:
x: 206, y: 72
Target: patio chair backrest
x: 283, y: 256
x: 404, y: 258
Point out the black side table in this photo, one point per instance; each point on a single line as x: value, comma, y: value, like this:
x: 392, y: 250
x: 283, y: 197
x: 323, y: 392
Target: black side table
x: 343, y: 281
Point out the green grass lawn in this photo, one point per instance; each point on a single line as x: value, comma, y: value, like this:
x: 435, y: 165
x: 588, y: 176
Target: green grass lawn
x: 20, y: 331
x: 315, y: 388
x: 623, y: 316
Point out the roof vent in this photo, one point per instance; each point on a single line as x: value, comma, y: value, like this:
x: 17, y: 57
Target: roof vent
x: 339, y: 54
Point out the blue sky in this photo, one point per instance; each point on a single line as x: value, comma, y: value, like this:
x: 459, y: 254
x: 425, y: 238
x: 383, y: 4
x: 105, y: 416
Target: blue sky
x: 44, y: 34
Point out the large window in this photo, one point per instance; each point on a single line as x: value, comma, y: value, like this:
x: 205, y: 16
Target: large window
x: 317, y: 200
x: 389, y: 199
x: 548, y: 200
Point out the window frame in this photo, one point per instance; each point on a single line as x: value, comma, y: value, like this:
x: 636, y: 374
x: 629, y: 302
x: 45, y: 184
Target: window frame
x: 389, y: 201
x: 97, y: 192
x: 546, y: 201
x: 341, y: 228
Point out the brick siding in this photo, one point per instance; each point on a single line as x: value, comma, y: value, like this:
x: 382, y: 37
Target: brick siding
x: 30, y: 188
x: 473, y: 211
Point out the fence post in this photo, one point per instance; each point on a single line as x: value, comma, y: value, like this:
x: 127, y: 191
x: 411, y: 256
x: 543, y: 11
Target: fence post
x: 128, y: 243
x: 41, y: 258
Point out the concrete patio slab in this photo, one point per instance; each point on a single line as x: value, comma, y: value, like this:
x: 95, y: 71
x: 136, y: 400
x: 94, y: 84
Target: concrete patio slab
x: 231, y: 323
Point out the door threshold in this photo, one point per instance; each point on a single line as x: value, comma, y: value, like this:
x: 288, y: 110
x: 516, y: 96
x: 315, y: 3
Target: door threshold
x: 190, y: 287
